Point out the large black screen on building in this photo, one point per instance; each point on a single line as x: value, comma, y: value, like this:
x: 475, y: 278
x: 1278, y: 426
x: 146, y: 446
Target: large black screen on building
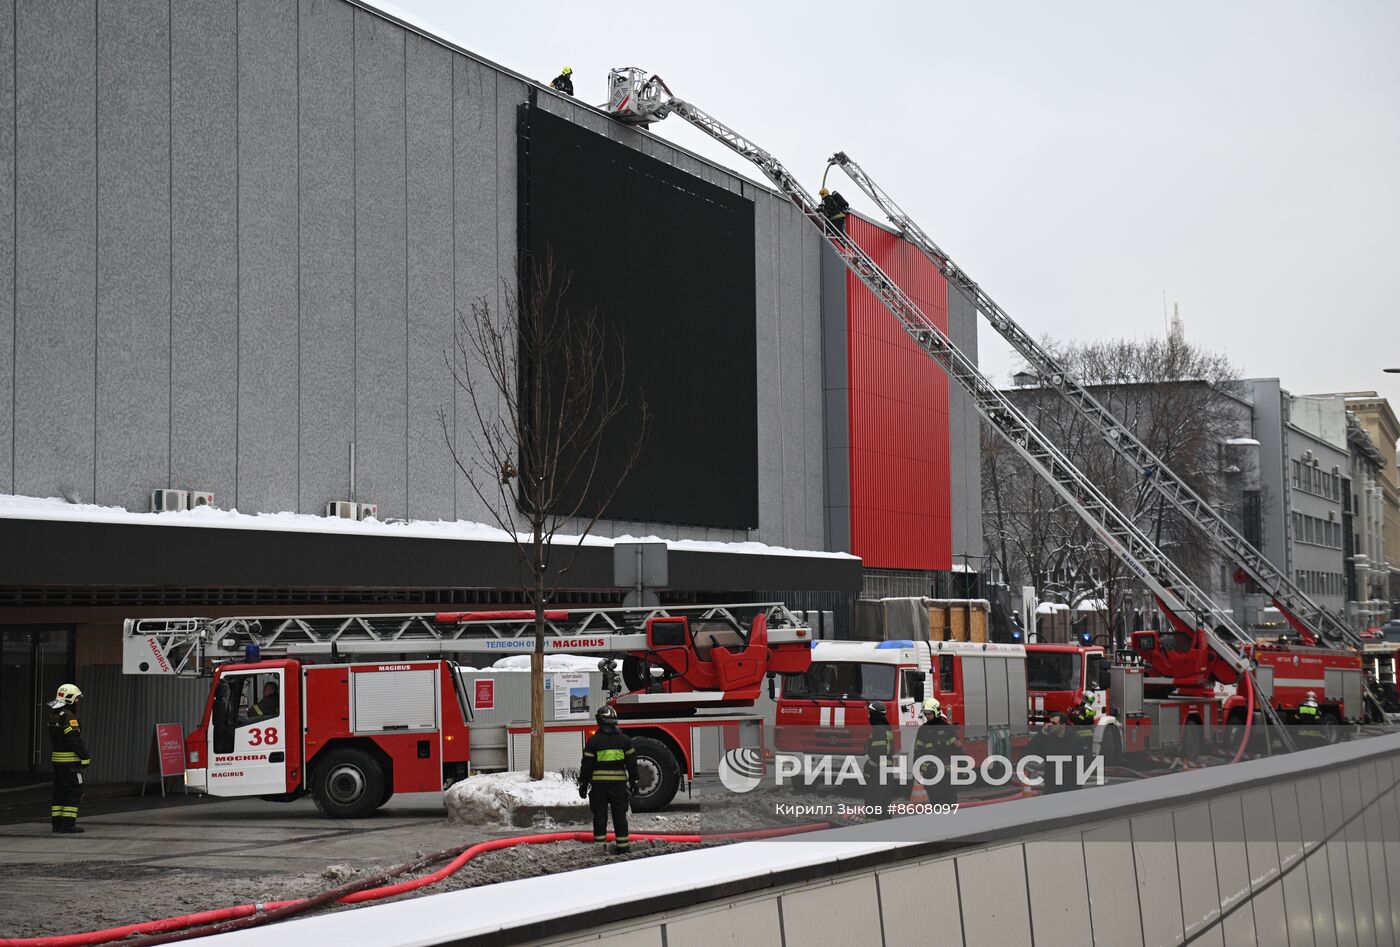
x: 667, y: 260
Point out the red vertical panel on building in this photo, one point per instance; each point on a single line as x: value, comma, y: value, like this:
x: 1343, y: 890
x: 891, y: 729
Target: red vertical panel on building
x: 901, y: 514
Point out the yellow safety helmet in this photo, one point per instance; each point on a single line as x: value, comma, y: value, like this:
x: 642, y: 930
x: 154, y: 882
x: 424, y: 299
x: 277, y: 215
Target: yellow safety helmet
x: 932, y: 708
x: 823, y: 192
x: 568, y: 70
x: 69, y: 692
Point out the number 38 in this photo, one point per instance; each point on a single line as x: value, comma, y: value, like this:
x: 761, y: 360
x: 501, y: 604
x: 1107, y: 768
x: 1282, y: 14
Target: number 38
x: 260, y: 736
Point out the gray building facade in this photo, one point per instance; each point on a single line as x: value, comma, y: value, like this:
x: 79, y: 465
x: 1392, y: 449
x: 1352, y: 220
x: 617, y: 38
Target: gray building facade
x: 1305, y: 472
x: 238, y: 235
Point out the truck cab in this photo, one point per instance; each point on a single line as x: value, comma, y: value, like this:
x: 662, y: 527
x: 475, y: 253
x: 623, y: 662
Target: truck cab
x: 980, y: 686
x: 350, y: 735
x: 1061, y: 676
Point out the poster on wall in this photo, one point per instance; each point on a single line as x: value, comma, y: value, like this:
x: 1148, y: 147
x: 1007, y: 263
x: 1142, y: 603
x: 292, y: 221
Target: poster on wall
x: 570, y: 695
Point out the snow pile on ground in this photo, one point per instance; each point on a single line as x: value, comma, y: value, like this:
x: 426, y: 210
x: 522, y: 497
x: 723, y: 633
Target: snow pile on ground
x: 496, y: 797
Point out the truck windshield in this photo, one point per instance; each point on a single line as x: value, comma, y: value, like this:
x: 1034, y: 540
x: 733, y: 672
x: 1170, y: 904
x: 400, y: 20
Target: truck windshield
x: 1052, y: 670
x: 842, y: 680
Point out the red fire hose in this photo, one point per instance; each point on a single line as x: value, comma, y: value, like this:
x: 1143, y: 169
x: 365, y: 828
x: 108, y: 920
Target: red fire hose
x: 1248, y: 718
x: 221, y: 920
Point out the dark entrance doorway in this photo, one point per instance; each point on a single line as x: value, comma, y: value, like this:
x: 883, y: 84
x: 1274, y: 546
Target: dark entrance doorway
x: 34, y: 660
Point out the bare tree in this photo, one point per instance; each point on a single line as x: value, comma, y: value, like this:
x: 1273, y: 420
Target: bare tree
x: 547, y: 390
x: 1175, y: 397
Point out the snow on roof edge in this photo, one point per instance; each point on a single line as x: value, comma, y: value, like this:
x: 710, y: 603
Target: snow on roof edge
x: 207, y: 517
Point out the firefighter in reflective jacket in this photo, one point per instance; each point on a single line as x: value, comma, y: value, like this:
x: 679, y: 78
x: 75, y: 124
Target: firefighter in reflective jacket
x: 936, y: 739
x: 1081, y: 719
x: 70, y: 758
x: 879, y: 747
x: 607, y: 777
x: 1309, y: 719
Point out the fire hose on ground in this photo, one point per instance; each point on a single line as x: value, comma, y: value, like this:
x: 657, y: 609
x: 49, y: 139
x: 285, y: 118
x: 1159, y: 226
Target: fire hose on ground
x: 223, y: 920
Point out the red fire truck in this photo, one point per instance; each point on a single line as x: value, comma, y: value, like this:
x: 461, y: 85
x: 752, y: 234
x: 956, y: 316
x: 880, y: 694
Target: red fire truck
x: 353, y: 709
x: 982, y: 688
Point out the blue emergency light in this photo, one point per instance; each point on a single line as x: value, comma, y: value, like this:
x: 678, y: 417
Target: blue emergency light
x: 1017, y: 635
x: 1086, y: 637
x: 252, y: 654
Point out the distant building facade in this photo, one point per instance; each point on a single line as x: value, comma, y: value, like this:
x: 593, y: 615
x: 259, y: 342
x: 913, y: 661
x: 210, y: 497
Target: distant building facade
x: 1378, y: 420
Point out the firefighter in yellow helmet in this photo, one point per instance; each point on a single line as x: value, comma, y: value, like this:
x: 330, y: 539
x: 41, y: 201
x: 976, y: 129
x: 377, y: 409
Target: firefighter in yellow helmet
x: 834, y: 207
x: 70, y: 759
x: 564, y: 81
x: 1308, y: 717
x: 936, y: 739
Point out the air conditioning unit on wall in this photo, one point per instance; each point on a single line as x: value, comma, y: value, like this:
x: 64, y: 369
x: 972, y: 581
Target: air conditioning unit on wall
x: 163, y: 501
x: 342, y: 509
x: 368, y: 511
x: 201, y: 498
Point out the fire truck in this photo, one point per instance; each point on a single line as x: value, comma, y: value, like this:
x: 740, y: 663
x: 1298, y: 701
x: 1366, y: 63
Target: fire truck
x: 982, y: 688
x: 986, y: 689
x: 1217, y: 646
x: 352, y: 709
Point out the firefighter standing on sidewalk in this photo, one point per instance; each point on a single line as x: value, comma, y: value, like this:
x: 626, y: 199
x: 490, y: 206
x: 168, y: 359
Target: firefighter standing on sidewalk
x: 937, y: 739
x: 879, y: 749
x: 70, y: 759
x: 608, y: 778
x: 1308, y: 718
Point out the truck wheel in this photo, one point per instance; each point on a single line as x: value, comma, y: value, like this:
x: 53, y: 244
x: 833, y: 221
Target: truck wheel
x: 348, y: 784
x: 1234, y: 730
x: 659, y: 775
x: 1111, y: 747
x: 1332, y: 730
x: 1191, y: 740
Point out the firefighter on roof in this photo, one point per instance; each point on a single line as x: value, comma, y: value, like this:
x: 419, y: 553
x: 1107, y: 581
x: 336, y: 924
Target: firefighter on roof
x: 608, y: 778
x: 70, y: 758
x: 564, y: 81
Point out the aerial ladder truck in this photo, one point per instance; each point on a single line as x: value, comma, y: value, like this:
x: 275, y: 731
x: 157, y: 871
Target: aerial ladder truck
x: 1339, y: 693
x: 1208, y: 638
x: 352, y: 709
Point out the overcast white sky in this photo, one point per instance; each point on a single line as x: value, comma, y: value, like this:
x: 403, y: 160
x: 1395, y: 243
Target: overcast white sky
x: 1078, y: 159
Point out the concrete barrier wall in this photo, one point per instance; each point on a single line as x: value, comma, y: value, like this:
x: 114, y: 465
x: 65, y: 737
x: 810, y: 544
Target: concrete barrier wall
x: 1308, y: 860
x: 1295, y: 850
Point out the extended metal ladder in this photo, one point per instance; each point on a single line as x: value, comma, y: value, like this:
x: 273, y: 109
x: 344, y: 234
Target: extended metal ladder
x: 186, y: 646
x: 1173, y: 588
x: 1310, y: 619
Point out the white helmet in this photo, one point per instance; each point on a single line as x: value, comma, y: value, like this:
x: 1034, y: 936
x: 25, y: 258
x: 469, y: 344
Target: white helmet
x: 1312, y: 696
x: 69, y: 693
x: 932, y: 708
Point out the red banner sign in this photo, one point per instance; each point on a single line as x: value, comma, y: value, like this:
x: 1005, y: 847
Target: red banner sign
x: 485, y: 695
x: 170, y: 747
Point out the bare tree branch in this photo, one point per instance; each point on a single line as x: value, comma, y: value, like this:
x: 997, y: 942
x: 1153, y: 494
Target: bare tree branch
x: 546, y: 387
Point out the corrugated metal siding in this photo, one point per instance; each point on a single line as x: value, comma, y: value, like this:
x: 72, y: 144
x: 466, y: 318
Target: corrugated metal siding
x: 901, y: 517
x: 119, y: 714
